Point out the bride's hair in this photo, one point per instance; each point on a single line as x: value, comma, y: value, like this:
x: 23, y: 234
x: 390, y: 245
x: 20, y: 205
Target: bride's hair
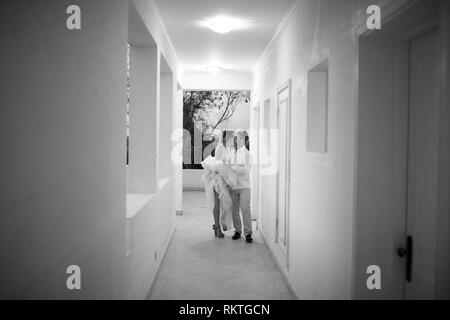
x: 217, y: 135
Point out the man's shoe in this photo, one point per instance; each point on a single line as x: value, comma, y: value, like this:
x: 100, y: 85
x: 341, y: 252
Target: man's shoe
x: 236, y: 236
x: 249, y: 238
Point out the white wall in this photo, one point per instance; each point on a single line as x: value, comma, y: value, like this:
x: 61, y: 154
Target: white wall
x: 322, y: 185
x: 63, y: 179
x: 144, y: 97
x: 178, y: 150
x: 165, y: 131
x: 192, y: 180
x: 153, y: 22
x: 332, y: 240
x: 148, y: 243
x: 63, y: 134
x: 221, y: 80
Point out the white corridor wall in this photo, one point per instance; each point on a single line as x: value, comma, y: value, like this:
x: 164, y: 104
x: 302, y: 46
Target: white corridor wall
x: 322, y: 184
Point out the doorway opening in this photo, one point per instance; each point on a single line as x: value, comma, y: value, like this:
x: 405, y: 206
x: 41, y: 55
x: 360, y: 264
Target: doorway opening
x: 283, y: 175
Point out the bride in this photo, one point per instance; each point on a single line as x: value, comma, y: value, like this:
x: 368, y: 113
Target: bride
x: 217, y: 177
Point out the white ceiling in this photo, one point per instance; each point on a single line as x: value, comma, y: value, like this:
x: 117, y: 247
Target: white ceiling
x: 198, y: 47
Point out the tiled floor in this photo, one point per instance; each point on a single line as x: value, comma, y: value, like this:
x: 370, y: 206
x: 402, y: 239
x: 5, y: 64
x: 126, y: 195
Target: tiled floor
x: 198, y: 266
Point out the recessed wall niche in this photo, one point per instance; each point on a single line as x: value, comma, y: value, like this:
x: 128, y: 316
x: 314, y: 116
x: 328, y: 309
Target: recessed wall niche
x: 317, y: 108
x: 143, y: 93
x: 164, y: 122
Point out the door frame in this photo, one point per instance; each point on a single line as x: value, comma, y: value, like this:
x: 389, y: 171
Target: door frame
x: 256, y: 153
x: 443, y: 229
x: 391, y: 10
x: 413, y: 123
x: 285, y: 86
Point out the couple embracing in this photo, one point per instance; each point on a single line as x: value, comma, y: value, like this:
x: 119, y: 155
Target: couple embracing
x: 227, y: 184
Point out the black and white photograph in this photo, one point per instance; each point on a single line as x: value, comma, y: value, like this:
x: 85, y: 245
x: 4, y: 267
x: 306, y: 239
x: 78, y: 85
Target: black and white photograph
x: 232, y: 152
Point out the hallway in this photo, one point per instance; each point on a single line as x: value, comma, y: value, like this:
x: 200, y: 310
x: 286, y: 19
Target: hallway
x: 198, y: 266
x: 325, y: 121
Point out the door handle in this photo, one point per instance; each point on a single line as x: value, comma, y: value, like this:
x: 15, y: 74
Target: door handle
x: 401, y: 252
x: 408, y: 253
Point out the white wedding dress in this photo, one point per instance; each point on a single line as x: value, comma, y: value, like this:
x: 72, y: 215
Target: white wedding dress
x: 217, y: 177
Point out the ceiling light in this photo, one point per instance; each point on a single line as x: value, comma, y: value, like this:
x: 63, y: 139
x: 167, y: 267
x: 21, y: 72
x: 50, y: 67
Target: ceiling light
x: 214, y: 69
x: 222, y: 24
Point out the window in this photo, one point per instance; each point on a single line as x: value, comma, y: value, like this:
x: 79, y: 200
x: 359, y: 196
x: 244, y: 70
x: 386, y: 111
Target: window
x: 317, y: 105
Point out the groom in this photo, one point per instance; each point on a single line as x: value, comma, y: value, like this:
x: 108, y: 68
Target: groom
x: 241, y: 194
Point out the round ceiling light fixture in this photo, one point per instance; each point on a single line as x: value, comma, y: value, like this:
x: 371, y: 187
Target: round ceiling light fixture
x: 222, y: 24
